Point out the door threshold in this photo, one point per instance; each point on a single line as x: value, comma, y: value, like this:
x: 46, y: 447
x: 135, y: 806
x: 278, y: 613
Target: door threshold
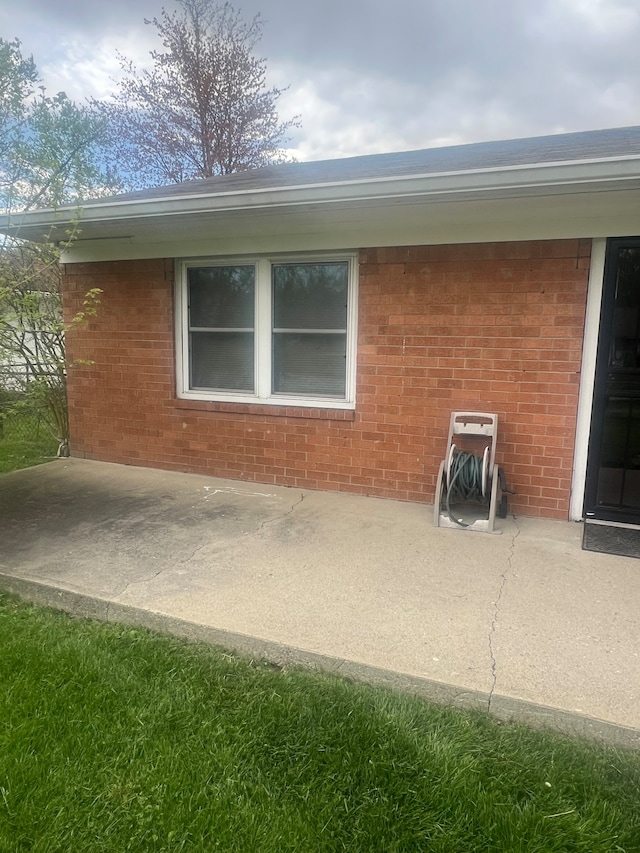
x: 626, y: 524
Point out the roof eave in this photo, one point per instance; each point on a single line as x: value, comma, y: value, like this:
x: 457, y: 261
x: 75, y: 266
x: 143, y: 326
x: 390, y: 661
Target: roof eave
x: 556, y: 177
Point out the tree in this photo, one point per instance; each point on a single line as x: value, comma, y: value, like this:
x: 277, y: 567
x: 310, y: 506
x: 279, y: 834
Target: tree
x: 50, y: 148
x: 204, y: 108
x: 32, y: 334
x: 17, y: 78
x: 49, y: 155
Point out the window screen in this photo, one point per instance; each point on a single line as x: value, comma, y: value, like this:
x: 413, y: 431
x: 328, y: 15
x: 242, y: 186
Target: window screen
x: 221, y: 327
x: 309, y: 328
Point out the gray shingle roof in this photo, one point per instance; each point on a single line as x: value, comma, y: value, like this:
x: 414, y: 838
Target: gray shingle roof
x: 566, y: 147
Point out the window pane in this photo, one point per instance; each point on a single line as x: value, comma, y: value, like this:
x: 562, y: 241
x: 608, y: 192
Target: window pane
x: 221, y: 297
x: 310, y: 296
x: 311, y: 364
x: 222, y: 360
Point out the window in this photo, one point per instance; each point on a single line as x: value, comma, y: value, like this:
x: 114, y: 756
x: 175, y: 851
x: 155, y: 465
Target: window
x: 221, y: 304
x: 268, y: 330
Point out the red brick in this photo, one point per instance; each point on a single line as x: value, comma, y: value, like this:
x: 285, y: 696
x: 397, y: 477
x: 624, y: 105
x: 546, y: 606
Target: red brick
x: 481, y: 326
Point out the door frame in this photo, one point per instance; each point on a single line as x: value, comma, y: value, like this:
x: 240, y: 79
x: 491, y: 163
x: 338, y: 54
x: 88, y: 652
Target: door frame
x: 607, y: 290
x: 587, y: 377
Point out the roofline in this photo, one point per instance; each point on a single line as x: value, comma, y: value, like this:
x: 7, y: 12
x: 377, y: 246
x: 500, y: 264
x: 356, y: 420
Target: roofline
x: 563, y: 176
x: 362, y: 181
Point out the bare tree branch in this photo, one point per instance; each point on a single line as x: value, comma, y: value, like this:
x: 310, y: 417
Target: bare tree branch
x: 204, y: 108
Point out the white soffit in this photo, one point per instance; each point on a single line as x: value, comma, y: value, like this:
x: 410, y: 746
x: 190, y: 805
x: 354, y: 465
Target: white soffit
x: 355, y: 224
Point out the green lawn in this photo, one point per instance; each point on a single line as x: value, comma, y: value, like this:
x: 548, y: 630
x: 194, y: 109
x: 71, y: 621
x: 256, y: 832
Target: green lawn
x: 115, y: 739
x: 24, y: 441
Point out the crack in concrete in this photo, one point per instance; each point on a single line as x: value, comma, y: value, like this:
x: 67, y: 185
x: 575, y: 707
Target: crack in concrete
x: 186, y: 559
x: 153, y: 576
x: 157, y: 574
x: 284, y: 514
x: 128, y: 584
x: 496, y: 609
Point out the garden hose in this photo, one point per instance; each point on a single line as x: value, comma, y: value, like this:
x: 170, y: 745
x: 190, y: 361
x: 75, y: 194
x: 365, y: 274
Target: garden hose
x: 464, y: 481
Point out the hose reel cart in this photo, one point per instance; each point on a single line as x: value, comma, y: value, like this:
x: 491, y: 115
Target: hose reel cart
x: 468, y: 477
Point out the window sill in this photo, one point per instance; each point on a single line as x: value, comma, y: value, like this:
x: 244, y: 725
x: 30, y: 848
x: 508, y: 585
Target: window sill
x: 267, y: 410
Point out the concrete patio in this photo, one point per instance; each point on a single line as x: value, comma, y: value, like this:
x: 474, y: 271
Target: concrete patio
x: 524, y: 624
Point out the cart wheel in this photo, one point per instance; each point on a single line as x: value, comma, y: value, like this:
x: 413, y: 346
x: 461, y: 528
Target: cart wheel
x: 437, y: 503
x: 503, y: 507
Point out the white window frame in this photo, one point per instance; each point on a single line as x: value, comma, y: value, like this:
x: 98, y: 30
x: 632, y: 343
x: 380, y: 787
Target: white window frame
x: 263, y: 324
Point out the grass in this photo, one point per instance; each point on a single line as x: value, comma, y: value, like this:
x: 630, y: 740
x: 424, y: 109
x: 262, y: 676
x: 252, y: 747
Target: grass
x: 24, y: 441
x: 116, y: 739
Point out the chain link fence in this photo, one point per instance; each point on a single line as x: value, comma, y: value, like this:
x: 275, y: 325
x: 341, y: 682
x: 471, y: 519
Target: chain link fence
x: 24, y: 422
x: 21, y: 417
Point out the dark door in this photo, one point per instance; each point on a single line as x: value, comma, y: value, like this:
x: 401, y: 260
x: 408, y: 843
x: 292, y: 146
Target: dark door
x: 613, y: 470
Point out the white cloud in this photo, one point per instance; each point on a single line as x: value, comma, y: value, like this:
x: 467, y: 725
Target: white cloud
x: 84, y: 69
x: 609, y: 18
x: 368, y: 75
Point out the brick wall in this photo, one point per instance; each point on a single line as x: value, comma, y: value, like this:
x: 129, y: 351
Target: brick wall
x: 494, y: 327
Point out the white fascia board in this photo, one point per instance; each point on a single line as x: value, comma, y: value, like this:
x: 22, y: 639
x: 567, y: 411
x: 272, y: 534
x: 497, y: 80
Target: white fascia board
x: 557, y: 176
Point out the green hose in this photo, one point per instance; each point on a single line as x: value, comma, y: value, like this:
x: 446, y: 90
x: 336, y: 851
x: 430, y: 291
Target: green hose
x: 465, y: 481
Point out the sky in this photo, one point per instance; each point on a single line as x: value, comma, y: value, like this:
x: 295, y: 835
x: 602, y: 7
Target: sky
x: 370, y: 76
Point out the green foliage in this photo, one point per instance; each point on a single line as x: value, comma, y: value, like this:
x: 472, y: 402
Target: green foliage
x: 26, y: 434
x: 115, y: 739
x: 49, y: 155
x: 32, y: 331
x: 17, y: 79
x: 50, y: 148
